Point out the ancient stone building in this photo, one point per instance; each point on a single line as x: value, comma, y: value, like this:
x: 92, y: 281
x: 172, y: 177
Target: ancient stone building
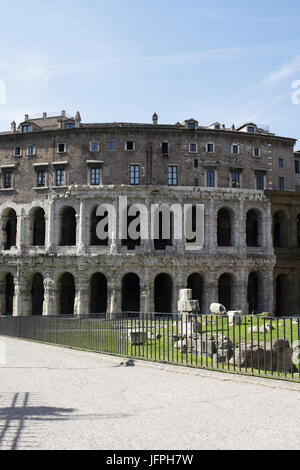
x: 55, y: 171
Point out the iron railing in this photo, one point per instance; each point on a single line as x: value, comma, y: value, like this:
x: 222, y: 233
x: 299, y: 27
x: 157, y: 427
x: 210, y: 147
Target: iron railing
x: 249, y: 345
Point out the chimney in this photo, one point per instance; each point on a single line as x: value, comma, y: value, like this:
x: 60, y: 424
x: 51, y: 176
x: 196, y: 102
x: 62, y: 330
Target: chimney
x: 233, y: 127
x: 154, y: 119
x: 26, y: 117
x: 44, y: 115
x: 63, y: 113
x: 13, y: 126
x: 77, y: 119
x: 223, y: 126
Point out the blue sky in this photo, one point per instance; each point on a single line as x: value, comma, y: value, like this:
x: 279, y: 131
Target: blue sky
x: 123, y: 60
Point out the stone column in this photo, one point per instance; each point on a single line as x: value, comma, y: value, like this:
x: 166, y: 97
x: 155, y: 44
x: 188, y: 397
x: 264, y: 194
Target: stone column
x: 113, y: 298
x: 50, y: 297
x: 239, y: 291
x: 145, y: 293
x: 81, y: 229
x: 211, y: 227
x: 20, y: 231
x: 211, y: 291
x: 50, y: 226
x: 266, y: 290
x: 82, y: 297
x: 3, y: 234
x: 267, y: 227
x: 2, y: 296
x: 240, y: 229
x: 22, y: 297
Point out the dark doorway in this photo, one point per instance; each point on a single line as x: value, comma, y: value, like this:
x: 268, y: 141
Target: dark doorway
x: 11, y: 230
x: 98, y: 293
x: 163, y: 293
x: 164, y: 239
x: 37, y: 294
x: 252, y: 229
x: 224, y: 228
x: 252, y: 293
x: 9, y: 294
x: 94, y: 239
x: 195, y: 282
x: 282, y: 294
x: 280, y: 230
x: 131, y: 293
x: 67, y: 294
x: 225, y: 287
x: 39, y: 228
x: 68, y: 227
x: 132, y: 243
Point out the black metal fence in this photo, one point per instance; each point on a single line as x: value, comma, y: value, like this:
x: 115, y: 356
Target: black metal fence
x: 248, y: 345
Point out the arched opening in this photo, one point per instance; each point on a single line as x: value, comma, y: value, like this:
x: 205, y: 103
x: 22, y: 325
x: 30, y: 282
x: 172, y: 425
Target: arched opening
x: 9, y: 294
x: 67, y: 294
x: 37, y: 294
x: 195, y: 282
x: 282, y: 295
x: 252, y: 229
x: 38, y: 227
x: 253, y: 293
x: 98, y: 302
x: 130, y: 242
x: 10, y: 228
x: 94, y: 239
x: 224, y: 228
x: 225, y: 290
x: 163, y: 291
x: 280, y: 234
x: 68, y: 227
x: 131, y: 293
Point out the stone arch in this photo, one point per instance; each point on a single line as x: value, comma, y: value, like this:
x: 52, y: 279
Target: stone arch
x: 94, y: 220
x: 254, y: 235
x: 98, y: 293
x: 253, y: 293
x: 68, y: 226
x: 163, y: 240
x: 163, y: 292
x: 9, y: 228
x: 37, y: 294
x: 37, y: 226
x: 225, y: 290
x: 195, y: 282
x: 280, y: 229
x: 224, y: 227
x: 67, y: 292
x: 128, y: 241
x: 131, y: 293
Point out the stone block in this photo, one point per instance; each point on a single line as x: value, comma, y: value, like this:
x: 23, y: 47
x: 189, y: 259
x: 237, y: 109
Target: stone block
x: 217, y: 309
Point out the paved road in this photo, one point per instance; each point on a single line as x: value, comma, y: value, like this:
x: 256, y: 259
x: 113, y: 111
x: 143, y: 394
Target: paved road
x: 55, y: 398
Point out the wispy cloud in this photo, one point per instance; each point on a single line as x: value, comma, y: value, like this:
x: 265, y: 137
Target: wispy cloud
x: 285, y: 71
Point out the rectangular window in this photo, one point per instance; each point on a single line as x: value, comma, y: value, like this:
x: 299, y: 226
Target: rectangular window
x: 61, y: 148
x: 26, y: 129
x: 251, y: 129
x: 172, y: 175
x: 281, y: 183
x: 196, y: 182
x: 235, y: 179
x: 129, y: 145
x: 17, y: 151
x: 196, y: 163
x: 7, y: 179
x: 165, y: 148
x: 94, y: 146
x: 280, y: 163
x: 260, y: 181
x: 235, y: 149
x: 31, y: 150
x: 211, y: 178
x: 70, y: 125
x: 134, y: 174
x: 111, y: 145
x: 60, y: 177
x: 256, y: 152
x: 210, y: 148
x: 297, y: 166
x: 191, y: 126
x: 95, y: 176
x: 41, y: 178
x: 192, y: 148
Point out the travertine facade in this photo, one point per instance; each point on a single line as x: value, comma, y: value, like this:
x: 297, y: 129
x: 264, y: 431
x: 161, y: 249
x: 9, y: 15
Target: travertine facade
x: 55, y: 171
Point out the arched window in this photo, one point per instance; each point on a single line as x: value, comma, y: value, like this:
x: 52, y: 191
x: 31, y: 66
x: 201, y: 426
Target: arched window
x: 10, y: 228
x: 37, y: 294
x: 68, y: 227
x: 98, y: 301
x: 66, y: 294
x: 38, y: 227
x: 224, y: 228
x: 9, y: 294
x: 253, y: 293
x: 280, y: 234
x: 225, y: 290
x: 94, y: 239
x: 131, y: 293
x: 132, y: 243
x: 163, y: 291
x: 282, y: 295
x: 252, y: 229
